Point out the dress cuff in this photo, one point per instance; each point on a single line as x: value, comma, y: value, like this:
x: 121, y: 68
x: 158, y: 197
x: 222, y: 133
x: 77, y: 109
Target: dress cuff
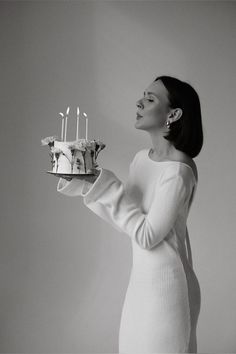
x: 100, y: 185
x: 71, y: 188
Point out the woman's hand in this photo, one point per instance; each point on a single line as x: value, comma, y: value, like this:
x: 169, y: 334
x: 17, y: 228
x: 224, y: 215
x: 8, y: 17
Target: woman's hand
x: 67, y: 178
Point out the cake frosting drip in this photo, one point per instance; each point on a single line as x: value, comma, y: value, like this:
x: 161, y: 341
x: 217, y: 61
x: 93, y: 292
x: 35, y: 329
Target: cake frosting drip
x: 73, y: 157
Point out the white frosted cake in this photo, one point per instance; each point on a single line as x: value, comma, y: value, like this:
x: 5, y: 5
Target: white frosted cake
x: 73, y: 157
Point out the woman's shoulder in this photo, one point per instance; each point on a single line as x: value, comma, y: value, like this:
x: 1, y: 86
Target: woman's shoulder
x: 186, y: 165
x: 183, y: 166
x: 187, y: 160
x: 137, y: 156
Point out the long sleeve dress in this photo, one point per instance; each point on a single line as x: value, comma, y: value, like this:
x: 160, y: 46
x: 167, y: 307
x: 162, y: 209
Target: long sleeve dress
x: 162, y: 301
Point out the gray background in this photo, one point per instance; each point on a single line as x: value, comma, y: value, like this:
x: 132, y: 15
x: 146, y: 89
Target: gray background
x: 64, y: 272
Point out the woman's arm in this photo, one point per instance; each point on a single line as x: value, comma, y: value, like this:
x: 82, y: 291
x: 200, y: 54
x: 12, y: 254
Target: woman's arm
x: 108, y: 198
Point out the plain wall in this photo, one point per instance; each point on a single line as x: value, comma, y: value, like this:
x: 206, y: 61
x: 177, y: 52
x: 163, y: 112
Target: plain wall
x: 64, y: 271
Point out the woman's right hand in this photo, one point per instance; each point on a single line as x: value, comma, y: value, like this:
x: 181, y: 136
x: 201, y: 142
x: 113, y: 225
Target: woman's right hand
x: 67, y: 178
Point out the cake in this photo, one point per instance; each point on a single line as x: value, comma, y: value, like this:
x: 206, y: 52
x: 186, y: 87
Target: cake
x: 73, y: 157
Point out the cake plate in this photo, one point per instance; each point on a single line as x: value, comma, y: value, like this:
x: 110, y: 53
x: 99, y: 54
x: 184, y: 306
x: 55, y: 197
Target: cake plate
x: 77, y: 175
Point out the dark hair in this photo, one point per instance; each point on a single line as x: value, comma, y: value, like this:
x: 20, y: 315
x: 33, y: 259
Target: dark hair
x: 186, y: 133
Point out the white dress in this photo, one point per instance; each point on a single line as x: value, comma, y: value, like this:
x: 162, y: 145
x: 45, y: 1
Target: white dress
x: 163, y: 297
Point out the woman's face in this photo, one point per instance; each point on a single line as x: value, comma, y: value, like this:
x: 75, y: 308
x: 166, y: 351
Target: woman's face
x: 153, y: 107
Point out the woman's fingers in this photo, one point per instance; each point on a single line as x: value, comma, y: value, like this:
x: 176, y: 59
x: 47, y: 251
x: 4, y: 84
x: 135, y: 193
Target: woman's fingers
x: 90, y: 178
x: 81, y: 177
x: 67, y: 178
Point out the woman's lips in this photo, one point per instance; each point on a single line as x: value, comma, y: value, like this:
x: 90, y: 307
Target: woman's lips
x: 138, y: 116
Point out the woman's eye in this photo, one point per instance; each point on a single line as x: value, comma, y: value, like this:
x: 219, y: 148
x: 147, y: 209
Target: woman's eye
x: 150, y: 100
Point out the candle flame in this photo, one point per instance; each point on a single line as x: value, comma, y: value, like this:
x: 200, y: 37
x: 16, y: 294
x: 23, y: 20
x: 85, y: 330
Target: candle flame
x: 61, y: 114
x: 68, y: 110
x: 85, y: 114
x: 77, y: 110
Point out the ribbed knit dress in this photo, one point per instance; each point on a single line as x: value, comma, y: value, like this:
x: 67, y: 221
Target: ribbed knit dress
x: 163, y: 298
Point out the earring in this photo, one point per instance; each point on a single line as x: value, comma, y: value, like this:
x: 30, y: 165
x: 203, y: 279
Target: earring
x: 168, y: 124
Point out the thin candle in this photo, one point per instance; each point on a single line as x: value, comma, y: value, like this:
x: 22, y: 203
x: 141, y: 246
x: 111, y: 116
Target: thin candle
x: 77, y: 125
x: 65, y: 129
x: 67, y: 112
x: 62, y: 125
x: 86, y: 131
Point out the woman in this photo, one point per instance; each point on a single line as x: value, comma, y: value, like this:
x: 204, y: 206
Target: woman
x: 163, y: 298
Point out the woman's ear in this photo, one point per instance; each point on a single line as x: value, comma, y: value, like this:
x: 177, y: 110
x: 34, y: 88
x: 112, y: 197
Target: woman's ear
x: 175, y: 114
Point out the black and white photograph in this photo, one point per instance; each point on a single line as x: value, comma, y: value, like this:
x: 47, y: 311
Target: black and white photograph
x: 118, y: 175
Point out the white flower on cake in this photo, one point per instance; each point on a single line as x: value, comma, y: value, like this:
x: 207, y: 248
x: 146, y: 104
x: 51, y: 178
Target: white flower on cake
x: 49, y: 140
x: 82, y: 144
x: 72, y: 146
x: 79, y: 145
x: 55, y: 150
x: 91, y: 145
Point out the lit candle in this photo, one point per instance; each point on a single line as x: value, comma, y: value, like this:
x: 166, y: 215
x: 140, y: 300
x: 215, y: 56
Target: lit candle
x: 77, y: 125
x: 67, y: 112
x: 62, y: 125
x: 86, y: 131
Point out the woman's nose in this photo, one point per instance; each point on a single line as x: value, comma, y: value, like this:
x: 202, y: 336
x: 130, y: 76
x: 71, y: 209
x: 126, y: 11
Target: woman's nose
x: 138, y: 104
